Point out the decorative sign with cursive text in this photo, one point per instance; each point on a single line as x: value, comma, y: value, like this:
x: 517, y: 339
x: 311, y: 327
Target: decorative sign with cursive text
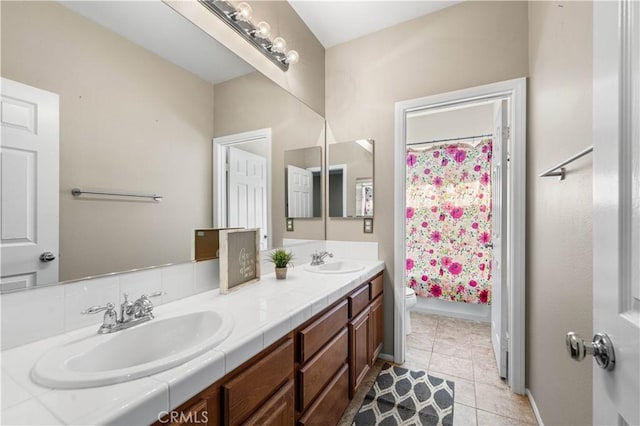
x: 239, y: 258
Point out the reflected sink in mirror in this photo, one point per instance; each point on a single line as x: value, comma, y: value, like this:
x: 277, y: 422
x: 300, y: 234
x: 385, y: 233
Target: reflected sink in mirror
x: 133, y: 353
x: 335, y: 267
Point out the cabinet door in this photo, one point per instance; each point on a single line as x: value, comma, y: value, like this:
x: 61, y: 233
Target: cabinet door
x: 245, y: 393
x: 376, y: 320
x: 359, y: 357
x: 277, y: 411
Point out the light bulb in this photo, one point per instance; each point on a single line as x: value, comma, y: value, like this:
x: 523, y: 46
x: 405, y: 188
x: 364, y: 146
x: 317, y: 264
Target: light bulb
x: 279, y: 45
x: 243, y: 12
x: 292, y: 57
x: 263, y: 30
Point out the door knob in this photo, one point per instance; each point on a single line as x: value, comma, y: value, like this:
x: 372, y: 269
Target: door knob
x: 601, y: 348
x: 47, y: 256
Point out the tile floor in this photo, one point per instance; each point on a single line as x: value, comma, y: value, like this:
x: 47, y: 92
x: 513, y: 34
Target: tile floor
x: 458, y: 350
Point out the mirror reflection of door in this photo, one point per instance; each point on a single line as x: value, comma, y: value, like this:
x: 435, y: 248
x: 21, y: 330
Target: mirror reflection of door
x: 242, y: 164
x: 303, y: 183
x: 299, y: 192
x: 247, y: 191
x: 29, y: 190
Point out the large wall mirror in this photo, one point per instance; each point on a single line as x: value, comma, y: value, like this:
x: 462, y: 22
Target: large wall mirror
x: 142, y: 94
x: 350, y: 179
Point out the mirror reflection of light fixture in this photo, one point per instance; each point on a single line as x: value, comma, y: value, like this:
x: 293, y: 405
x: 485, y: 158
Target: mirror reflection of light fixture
x: 239, y: 18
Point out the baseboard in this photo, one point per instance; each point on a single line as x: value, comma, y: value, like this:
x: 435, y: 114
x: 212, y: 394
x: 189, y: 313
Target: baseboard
x: 534, y: 407
x: 385, y: 357
x: 473, y: 312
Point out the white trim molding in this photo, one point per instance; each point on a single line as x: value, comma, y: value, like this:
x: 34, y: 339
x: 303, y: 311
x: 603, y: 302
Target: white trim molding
x: 534, y: 407
x: 515, y: 91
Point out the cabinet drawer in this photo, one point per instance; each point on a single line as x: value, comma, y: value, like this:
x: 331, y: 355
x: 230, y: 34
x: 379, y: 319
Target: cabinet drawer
x: 277, y: 411
x: 315, y: 374
x: 358, y: 300
x: 245, y: 393
x: 330, y: 405
x: 316, y: 335
x: 376, y: 287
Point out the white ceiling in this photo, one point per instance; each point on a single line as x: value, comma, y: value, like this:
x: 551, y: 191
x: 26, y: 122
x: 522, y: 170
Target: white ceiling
x: 156, y: 27
x: 334, y: 22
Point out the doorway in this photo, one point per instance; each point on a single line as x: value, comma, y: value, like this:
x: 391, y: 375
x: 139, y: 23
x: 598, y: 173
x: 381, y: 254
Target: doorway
x: 242, y: 182
x: 492, y: 130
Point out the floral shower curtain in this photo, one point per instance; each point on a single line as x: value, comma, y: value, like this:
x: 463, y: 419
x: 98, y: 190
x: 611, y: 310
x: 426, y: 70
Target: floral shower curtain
x: 448, y: 220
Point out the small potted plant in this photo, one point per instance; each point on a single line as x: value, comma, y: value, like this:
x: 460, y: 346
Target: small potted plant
x: 281, y: 259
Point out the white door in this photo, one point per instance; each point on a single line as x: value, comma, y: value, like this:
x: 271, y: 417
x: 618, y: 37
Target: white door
x: 29, y: 185
x: 499, y: 297
x: 248, y: 192
x: 616, y: 215
x: 299, y: 192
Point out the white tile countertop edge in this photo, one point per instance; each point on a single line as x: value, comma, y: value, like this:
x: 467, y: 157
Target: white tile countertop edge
x: 263, y: 312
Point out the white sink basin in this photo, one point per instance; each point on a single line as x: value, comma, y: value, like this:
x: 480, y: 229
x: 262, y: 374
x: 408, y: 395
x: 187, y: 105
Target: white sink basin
x: 335, y: 267
x: 132, y: 353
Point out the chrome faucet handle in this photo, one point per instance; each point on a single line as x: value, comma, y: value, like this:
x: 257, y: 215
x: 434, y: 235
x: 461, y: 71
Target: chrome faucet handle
x: 110, y: 319
x: 97, y: 308
x: 317, y: 258
x: 143, y: 306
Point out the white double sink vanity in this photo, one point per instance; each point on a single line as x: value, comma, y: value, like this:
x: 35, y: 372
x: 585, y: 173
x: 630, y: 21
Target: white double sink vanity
x: 135, y: 375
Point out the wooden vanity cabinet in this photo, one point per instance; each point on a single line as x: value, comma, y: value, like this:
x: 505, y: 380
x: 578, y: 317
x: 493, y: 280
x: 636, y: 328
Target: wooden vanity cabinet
x: 307, y: 378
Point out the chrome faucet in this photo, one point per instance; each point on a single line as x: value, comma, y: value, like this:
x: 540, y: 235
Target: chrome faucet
x: 317, y: 258
x: 130, y: 313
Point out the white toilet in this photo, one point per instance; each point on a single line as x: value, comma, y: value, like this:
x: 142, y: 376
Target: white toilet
x: 409, y: 302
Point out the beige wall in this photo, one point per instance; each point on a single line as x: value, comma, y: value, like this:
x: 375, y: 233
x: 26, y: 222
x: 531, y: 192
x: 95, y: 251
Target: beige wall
x: 254, y: 102
x: 305, y: 80
x: 462, y: 46
x: 129, y: 121
x: 559, y: 214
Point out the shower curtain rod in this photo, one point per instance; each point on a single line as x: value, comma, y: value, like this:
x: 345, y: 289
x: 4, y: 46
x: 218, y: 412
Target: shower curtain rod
x: 450, y: 139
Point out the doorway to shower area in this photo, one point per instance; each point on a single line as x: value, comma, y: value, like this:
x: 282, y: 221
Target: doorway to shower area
x: 459, y: 228
x: 456, y: 167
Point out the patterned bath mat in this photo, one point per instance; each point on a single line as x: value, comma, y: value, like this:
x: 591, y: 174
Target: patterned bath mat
x: 406, y: 397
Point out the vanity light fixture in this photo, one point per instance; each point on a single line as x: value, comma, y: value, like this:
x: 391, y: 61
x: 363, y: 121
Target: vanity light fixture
x: 239, y: 18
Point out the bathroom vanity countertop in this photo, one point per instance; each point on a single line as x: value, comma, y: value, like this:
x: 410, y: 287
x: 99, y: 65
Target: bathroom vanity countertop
x: 263, y: 312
